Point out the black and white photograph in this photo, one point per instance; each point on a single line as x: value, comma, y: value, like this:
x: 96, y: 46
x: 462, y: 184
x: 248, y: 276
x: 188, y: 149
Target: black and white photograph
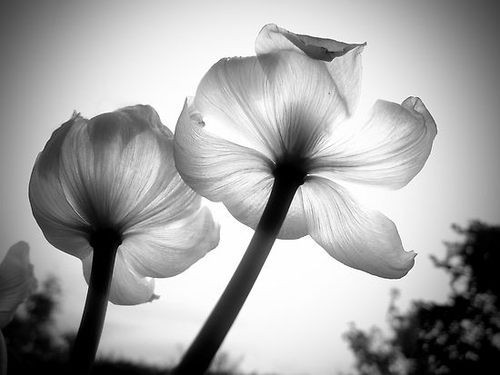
x: 249, y: 187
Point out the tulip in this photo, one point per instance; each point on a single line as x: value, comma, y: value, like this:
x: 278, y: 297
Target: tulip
x: 16, y: 284
x: 268, y: 136
x: 106, y: 191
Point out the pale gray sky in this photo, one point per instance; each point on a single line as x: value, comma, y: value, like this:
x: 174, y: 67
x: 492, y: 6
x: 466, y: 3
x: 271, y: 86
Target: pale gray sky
x: 57, y: 57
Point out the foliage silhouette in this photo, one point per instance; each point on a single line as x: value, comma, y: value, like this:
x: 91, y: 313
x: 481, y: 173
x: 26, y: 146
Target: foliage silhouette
x: 461, y: 336
x: 32, y: 344
x: 35, y: 345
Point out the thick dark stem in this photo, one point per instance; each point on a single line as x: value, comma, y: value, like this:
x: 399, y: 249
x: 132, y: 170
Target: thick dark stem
x: 3, y: 355
x: 201, y: 352
x: 105, y: 244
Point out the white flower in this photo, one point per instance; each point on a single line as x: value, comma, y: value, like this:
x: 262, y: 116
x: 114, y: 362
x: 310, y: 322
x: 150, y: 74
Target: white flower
x: 16, y: 284
x: 16, y: 280
x: 115, y: 174
x: 284, y: 111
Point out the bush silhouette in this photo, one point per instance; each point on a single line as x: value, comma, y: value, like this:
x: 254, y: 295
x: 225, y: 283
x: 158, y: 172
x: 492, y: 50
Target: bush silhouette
x: 459, y: 337
x: 34, y: 344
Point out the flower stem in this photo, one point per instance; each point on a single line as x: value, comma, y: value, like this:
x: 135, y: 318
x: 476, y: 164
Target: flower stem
x: 3, y: 355
x: 201, y: 352
x: 105, y: 245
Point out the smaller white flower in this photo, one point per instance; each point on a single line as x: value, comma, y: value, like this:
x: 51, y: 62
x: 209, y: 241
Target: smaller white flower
x: 16, y: 284
x: 16, y: 281
x: 115, y: 175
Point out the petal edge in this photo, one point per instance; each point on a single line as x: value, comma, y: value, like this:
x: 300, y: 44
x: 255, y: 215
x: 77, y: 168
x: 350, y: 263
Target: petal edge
x: 360, y: 238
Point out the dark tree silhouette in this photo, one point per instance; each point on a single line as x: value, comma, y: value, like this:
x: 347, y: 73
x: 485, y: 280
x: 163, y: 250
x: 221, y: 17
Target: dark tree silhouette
x: 459, y: 337
x: 32, y: 342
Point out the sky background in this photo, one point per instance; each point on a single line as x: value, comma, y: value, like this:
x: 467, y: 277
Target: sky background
x: 95, y: 57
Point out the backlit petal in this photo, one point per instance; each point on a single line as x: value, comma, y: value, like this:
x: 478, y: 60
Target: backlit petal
x: 212, y: 166
x: 343, y: 60
x: 113, y: 166
x: 127, y: 286
x: 113, y: 170
x: 168, y: 250
x: 234, y: 102
x: 60, y: 222
x: 305, y: 100
x: 224, y: 171
x: 117, y: 172
x: 16, y: 281
x: 388, y: 150
x: 358, y: 237
x: 248, y: 209
x: 278, y: 106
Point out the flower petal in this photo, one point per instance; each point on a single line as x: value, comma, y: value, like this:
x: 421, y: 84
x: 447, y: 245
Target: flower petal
x: 248, y: 208
x: 278, y: 106
x: 233, y: 100
x: 305, y: 101
x: 388, y: 150
x: 224, y: 171
x: 343, y: 60
x: 112, y: 166
x: 168, y: 250
x: 16, y: 281
x: 358, y: 237
x: 113, y: 170
x: 61, y: 224
x: 212, y: 165
x: 127, y: 286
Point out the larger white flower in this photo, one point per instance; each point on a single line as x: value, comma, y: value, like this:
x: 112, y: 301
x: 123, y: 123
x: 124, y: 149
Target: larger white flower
x: 283, y: 112
x: 113, y: 176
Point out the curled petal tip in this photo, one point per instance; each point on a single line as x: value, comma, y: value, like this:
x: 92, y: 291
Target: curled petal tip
x: 410, y: 257
x: 407, y: 264
x: 363, y: 238
x: 360, y: 47
x: 75, y: 114
x: 399, y: 268
x: 269, y: 26
x: 273, y: 38
x: 414, y: 103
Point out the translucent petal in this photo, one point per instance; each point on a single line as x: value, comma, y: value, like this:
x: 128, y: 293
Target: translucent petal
x: 248, y: 209
x: 278, y: 107
x: 342, y: 60
x: 388, y: 150
x: 16, y: 281
x: 224, y: 171
x: 115, y: 170
x: 305, y: 101
x: 168, y: 250
x: 358, y: 237
x: 234, y: 102
x: 117, y: 165
x: 212, y: 166
x: 127, y: 286
x: 61, y: 225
